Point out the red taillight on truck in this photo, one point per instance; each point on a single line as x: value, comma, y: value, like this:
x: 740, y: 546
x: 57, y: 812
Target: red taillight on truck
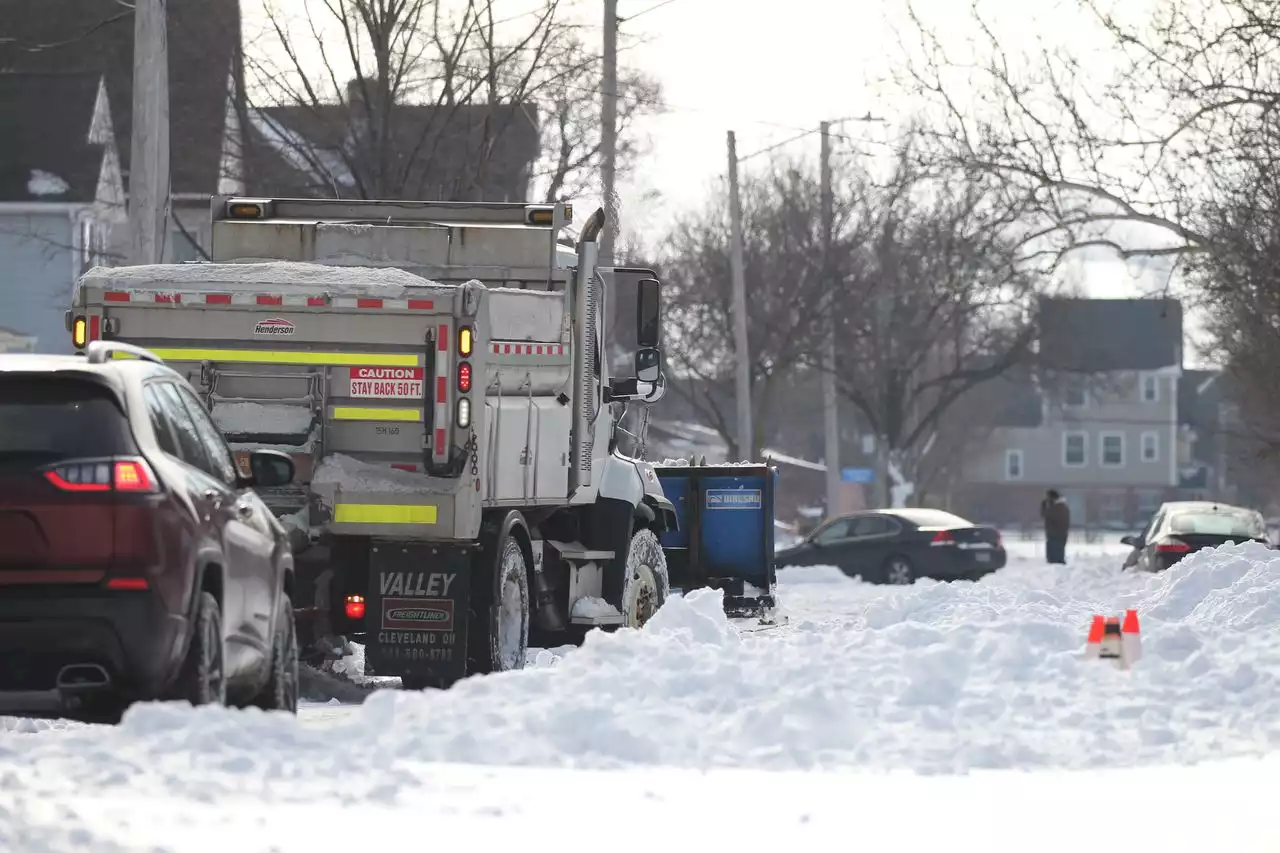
x: 1173, y: 548
x: 103, y: 475
x: 464, y: 377
x: 355, y: 606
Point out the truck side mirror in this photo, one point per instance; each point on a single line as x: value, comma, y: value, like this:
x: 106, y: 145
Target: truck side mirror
x: 648, y: 315
x: 649, y: 364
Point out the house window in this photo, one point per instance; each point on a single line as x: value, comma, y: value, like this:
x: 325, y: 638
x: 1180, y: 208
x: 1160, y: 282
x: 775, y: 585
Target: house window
x: 1013, y: 464
x: 1075, y: 395
x: 1151, y: 447
x: 1150, y: 388
x: 1111, y: 449
x: 1075, y: 449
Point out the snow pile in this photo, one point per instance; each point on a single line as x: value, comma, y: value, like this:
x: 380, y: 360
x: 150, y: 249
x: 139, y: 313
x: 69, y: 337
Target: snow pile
x: 277, y: 276
x: 42, y: 183
x: 262, y: 418
x: 685, y: 463
x: 347, y: 472
x: 933, y: 677
x: 588, y: 607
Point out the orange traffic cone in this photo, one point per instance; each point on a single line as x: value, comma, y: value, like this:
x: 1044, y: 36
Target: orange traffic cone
x: 1112, y: 647
x: 1093, y: 646
x: 1131, y: 636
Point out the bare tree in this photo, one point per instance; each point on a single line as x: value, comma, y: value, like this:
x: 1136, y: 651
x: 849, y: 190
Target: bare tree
x: 936, y: 304
x: 420, y: 98
x: 1109, y: 163
x: 570, y: 105
x: 780, y: 211
x: 931, y: 296
x: 1168, y: 160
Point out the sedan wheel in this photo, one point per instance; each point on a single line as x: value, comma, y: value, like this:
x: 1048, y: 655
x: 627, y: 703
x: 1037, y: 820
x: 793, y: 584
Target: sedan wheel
x: 898, y: 571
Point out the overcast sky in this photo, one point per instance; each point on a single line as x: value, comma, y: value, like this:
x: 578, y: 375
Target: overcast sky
x: 771, y: 71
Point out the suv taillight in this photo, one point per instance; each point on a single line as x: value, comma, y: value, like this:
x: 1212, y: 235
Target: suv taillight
x: 104, y: 475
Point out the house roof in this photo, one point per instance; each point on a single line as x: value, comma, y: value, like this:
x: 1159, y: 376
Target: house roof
x: 96, y: 37
x: 1100, y: 335
x: 45, y: 152
x: 463, y: 152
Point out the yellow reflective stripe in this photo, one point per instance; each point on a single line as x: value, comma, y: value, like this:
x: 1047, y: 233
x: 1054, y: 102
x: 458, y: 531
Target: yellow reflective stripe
x: 384, y: 514
x: 254, y: 356
x: 359, y: 413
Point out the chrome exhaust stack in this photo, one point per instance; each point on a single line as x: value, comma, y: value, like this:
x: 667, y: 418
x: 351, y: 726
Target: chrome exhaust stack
x: 82, y: 676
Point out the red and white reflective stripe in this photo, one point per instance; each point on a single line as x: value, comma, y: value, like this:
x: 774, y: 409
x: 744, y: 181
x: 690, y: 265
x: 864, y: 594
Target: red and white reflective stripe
x: 368, y: 303
x: 525, y: 349
x: 441, y: 421
x: 267, y: 300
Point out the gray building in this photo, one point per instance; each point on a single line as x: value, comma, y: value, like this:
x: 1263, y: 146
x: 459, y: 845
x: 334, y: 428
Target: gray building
x: 61, y: 199
x: 1097, y: 418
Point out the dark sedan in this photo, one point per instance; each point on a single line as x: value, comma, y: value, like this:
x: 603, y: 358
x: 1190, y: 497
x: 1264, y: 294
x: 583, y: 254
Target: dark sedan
x: 897, y: 546
x: 1180, y: 528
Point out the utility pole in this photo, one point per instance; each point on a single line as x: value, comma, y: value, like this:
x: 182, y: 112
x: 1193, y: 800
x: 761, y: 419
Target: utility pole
x: 609, y: 131
x: 742, y: 356
x: 830, y: 402
x: 149, y: 149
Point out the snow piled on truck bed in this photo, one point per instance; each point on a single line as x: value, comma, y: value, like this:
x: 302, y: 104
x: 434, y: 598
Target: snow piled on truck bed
x: 934, y: 678
x: 347, y: 472
x: 262, y: 418
x: 279, y: 276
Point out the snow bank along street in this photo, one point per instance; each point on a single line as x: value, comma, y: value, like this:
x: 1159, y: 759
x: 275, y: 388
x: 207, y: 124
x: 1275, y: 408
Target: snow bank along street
x: 934, y: 678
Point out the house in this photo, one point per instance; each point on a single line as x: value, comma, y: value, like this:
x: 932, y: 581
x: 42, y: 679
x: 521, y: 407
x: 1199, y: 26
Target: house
x: 61, y: 199
x: 459, y: 152
x: 11, y: 341
x: 66, y: 68
x: 1097, y: 418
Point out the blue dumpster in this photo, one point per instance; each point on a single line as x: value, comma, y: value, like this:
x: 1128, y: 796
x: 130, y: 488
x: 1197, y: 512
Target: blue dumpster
x: 725, y: 537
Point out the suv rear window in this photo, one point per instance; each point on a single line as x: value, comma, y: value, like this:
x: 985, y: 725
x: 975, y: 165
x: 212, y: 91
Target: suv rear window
x: 48, y: 419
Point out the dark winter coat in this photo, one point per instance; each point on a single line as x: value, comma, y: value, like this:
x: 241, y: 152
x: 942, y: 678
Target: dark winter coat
x: 1057, y: 517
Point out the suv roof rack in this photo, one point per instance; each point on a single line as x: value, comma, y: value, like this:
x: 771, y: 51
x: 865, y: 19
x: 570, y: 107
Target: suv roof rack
x: 98, y: 352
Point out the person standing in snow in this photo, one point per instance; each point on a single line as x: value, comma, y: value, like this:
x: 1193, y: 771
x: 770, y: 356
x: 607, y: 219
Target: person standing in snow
x: 1057, y: 522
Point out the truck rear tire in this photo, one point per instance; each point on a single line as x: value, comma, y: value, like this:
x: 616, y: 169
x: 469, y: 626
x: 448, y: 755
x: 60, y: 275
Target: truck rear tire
x: 499, y: 618
x: 646, y: 585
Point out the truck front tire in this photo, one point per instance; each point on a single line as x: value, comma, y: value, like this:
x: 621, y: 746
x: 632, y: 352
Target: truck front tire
x: 646, y: 584
x: 499, y: 636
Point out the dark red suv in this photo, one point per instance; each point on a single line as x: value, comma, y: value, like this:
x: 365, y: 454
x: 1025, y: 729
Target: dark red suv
x: 136, y: 561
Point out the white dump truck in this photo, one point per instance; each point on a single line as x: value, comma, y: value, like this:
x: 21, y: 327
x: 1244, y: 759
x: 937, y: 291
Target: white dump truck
x: 439, y: 373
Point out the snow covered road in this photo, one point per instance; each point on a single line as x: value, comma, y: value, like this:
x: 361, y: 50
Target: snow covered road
x: 940, y: 679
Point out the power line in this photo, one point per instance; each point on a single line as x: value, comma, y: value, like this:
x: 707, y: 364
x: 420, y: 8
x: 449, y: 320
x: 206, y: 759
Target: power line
x: 653, y: 8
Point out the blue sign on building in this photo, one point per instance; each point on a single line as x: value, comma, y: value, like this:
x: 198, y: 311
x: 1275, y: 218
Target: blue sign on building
x: 734, y: 499
x: 858, y: 475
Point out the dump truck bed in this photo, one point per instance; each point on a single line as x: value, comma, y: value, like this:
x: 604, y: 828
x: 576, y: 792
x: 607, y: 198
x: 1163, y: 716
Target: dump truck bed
x: 348, y: 369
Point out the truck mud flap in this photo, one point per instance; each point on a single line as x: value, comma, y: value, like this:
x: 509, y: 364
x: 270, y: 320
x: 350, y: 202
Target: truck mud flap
x: 416, y: 618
